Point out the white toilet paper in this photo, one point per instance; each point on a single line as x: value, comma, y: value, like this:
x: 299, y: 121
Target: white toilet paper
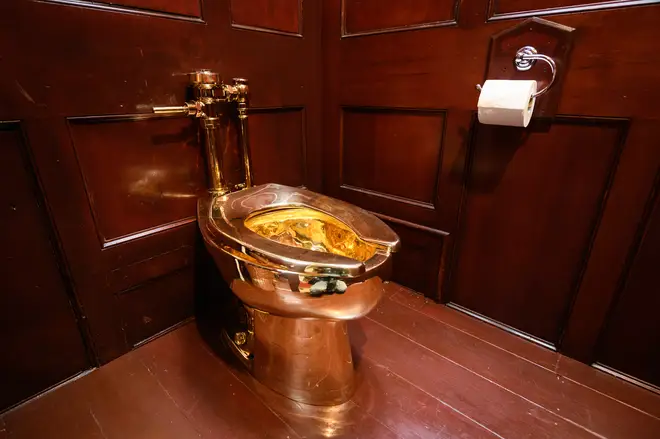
x: 503, y: 102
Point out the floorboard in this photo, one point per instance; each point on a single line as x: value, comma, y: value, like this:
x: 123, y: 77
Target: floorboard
x: 423, y: 371
x: 582, y: 374
x: 408, y: 410
x: 120, y: 400
x: 593, y: 411
x: 205, y: 391
x: 495, y: 407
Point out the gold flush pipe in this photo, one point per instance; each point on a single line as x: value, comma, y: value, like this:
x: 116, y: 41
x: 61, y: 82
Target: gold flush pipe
x: 211, y: 96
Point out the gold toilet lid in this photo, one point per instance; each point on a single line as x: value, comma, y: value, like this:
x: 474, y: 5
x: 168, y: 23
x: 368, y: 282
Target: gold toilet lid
x: 296, y: 230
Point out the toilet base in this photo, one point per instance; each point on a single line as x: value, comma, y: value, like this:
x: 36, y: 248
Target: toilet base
x: 305, y: 359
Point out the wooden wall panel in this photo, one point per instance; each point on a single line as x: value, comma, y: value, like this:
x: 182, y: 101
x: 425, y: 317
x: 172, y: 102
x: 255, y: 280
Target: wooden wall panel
x: 360, y: 17
x: 533, y: 202
x: 278, y: 145
x: 380, y: 144
x: 524, y: 8
x: 189, y: 8
x: 417, y: 265
x: 280, y: 16
x: 40, y: 340
x: 631, y: 341
x: 157, y: 305
x: 139, y: 174
x: 549, y: 217
x: 134, y: 274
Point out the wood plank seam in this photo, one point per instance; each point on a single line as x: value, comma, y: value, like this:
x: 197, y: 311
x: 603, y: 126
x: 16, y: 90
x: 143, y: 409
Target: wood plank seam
x: 491, y: 381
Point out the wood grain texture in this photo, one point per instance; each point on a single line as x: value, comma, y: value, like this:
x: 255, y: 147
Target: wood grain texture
x: 408, y: 410
x: 560, y: 365
x: 417, y: 377
x: 366, y: 17
x: 577, y: 405
x: 522, y: 8
x: 206, y: 390
x: 418, y: 262
x: 278, y: 145
x: 156, y: 305
x: 456, y: 386
x: 378, y: 144
x: 631, y: 340
x: 278, y: 16
x: 40, y: 339
x: 156, y: 168
x: 109, y: 403
x: 524, y: 238
x: 628, y: 200
x: 162, y: 8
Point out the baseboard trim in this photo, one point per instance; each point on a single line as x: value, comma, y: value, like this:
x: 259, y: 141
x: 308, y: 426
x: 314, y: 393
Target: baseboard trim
x: 163, y: 332
x: 503, y: 326
x: 625, y: 377
x: 47, y: 390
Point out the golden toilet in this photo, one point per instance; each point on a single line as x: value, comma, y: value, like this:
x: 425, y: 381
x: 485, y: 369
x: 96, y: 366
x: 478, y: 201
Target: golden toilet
x: 301, y: 263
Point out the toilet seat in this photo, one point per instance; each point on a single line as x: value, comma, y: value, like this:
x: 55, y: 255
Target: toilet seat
x: 300, y: 265
x: 222, y: 221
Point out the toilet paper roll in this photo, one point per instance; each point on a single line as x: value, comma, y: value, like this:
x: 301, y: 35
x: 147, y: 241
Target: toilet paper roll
x: 509, y: 103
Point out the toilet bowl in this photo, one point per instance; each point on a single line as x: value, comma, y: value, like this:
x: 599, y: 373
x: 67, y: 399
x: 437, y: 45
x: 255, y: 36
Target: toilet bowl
x: 302, y: 264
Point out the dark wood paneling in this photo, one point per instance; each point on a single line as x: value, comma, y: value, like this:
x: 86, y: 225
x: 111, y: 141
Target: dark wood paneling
x: 503, y: 9
x: 361, y: 17
x: 140, y: 272
x: 631, y: 342
x: 380, y: 144
x: 190, y: 8
x: 40, y: 340
x: 533, y: 202
x: 138, y: 174
x: 627, y: 204
x: 280, y: 16
x: 419, y: 261
x: 157, y: 305
x: 438, y: 68
x: 278, y: 146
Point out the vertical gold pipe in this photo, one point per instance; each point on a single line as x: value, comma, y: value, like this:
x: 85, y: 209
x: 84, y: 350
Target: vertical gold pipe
x: 214, y: 162
x: 245, y: 142
x: 243, y: 92
x: 210, y: 97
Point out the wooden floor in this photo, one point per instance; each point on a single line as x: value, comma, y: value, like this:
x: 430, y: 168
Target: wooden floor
x: 425, y: 371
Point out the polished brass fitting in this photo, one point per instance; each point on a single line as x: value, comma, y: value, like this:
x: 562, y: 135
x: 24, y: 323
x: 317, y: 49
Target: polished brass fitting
x: 210, y: 95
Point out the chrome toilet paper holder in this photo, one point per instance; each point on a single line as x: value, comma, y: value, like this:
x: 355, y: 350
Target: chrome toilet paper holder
x: 525, y: 59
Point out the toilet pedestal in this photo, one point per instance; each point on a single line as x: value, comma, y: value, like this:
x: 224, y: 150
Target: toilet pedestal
x: 308, y: 360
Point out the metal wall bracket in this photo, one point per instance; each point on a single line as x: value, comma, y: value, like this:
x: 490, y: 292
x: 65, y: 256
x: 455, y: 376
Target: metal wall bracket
x: 514, y: 52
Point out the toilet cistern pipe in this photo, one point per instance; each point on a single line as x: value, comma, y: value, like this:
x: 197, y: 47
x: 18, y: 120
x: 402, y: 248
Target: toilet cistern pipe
x: 242, y: 96
x: 211, y: 97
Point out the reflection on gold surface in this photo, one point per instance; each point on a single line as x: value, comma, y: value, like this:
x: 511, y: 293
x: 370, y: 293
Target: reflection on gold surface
x: 312, y: 230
